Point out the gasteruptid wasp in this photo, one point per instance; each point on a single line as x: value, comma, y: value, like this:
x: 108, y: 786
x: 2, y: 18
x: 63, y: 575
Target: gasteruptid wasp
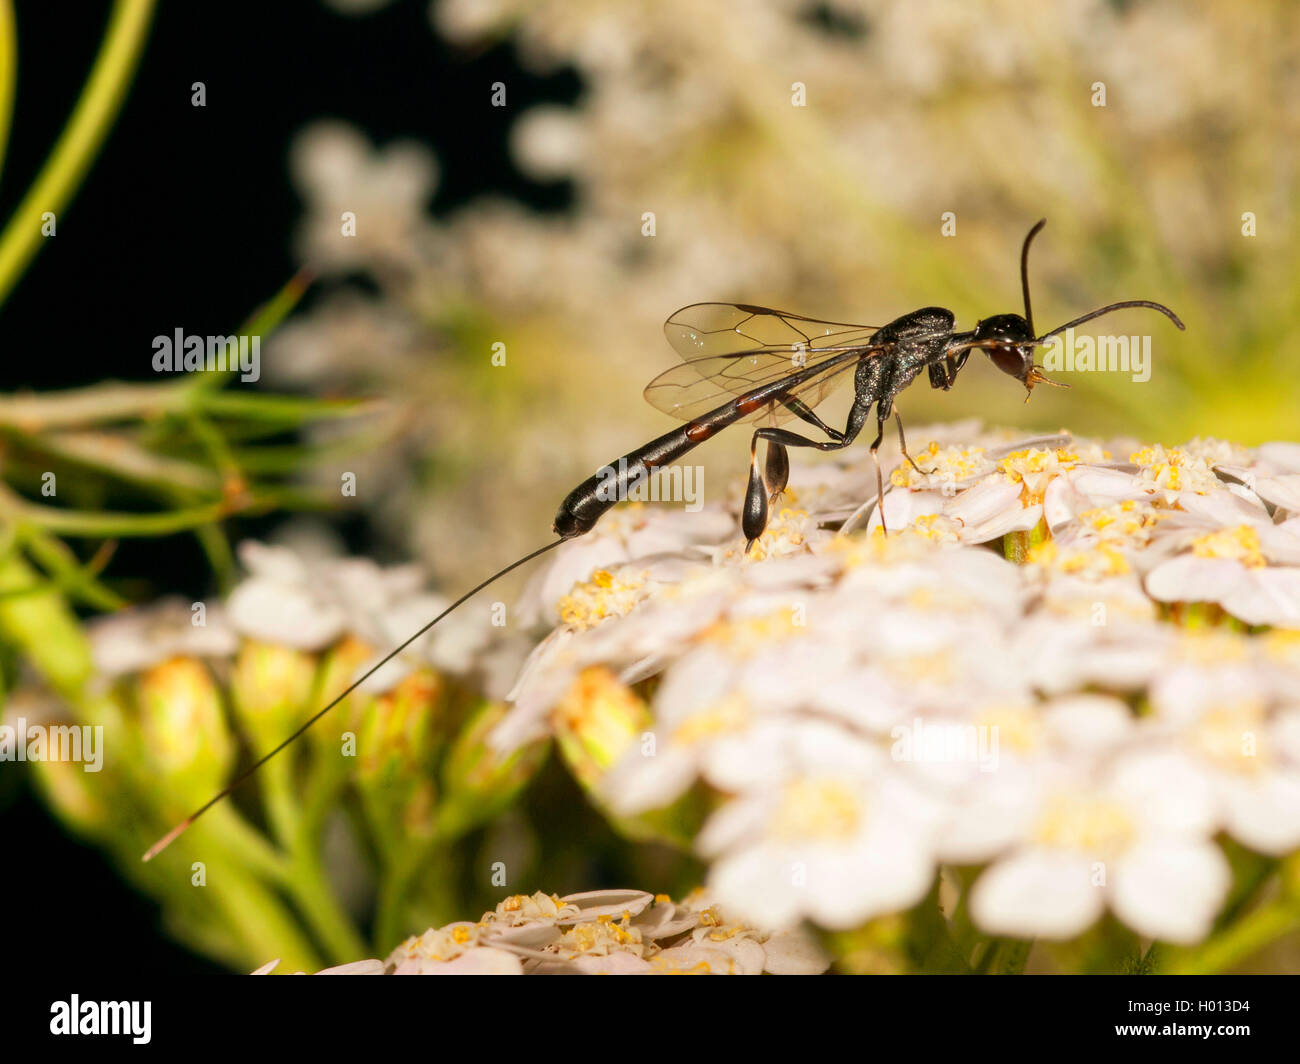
x: 748, y: 364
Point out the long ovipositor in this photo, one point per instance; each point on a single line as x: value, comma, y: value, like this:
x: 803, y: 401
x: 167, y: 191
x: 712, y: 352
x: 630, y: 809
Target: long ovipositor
x: 604, y: 489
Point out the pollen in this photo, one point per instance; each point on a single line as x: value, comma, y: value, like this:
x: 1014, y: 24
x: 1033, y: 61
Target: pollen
x: 711, y: 917
x: 1128, y: 522
x: 603, y: 596
x: 599, y: 709
x: 786, y: 533
x: 937, y: 528
x: 747, y: 636
x: 1019, y: 726
x: 725, y: 717
x: 601, y: 937
x: 1096, y: 562
x: 1212, y: 646
x: 1233, y: 737
x: 1091, y: 824
x: 1283, y: 645
x: 1173, y: 470
x: 1240, y: 544
x: 817, y: 809
x: 1034, y: 468
x: 877, y: 548
x: 945, y: 465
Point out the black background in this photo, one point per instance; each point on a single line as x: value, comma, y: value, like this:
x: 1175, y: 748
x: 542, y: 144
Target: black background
x: 185, y: 219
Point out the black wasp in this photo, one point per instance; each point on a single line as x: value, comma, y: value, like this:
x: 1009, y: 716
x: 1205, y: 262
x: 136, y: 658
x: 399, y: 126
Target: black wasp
x: 752, y: 364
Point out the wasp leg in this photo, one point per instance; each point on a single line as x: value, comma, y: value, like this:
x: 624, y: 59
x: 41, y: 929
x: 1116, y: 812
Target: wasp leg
x: 880, y: 479
x: 754, y: 513
x: 902, y: 442
x: 753, y: 516
x: 777, y: 473
x: 803, y: 410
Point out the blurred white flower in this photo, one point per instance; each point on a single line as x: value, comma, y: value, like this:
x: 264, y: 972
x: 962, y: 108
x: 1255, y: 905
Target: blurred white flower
x: 1139, y: 841
x: 137, y: 638
x: 365, y: 206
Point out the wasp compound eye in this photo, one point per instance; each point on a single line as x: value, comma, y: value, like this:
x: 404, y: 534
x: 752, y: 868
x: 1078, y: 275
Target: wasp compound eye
x: 1016, y: 361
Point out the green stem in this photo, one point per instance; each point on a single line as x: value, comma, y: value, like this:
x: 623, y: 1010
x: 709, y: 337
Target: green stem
x: 260, y: 919
x: 309, y: 887
x: 390, y: 910
x: 248, y: 846
x: 297, y: 828
x: 100, y: 101
x: 44, y: 628
x: 1241, y: 940
x: 67, y: 574
x: 8, y: 73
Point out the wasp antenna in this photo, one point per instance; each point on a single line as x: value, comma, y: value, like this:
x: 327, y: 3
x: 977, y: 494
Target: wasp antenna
x: 1024, y: 270
x: 1111, y: 307
x: 179, y: 829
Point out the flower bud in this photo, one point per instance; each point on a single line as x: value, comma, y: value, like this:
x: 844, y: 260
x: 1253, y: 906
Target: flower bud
x: 596, y: 722
x: 397, y: 743
x: 183, y: 729
x: 271, y: 687
x: 478, y: 780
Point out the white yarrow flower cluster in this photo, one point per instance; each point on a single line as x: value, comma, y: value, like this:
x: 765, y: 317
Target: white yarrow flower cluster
x: 1073, y: 664
x: 599, y: 932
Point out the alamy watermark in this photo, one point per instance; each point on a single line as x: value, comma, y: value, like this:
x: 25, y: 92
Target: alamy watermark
x: 21, y: 741
x: 180, y: 353
x: 946, y: 743
x: 77, y: 1017
x: 638, y: 483
x: 1067, y: 353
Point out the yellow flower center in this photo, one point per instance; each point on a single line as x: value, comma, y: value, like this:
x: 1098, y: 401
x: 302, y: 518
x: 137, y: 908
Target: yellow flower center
x: 1095, y: 562
x: 1017, y: 726
x: 1174, y: 469
x: 1034, y: 468
x: 1128, y: 522
x: 1091, y: 824
x: 1232, y: 736
x: 786, y: 533
x: 817, y: 809
x: 747, y: 636
x: 727, y: 716
x: 942, y: 465
x: 1240, y: 544
x: 604, y: 595
x: 601, y: 936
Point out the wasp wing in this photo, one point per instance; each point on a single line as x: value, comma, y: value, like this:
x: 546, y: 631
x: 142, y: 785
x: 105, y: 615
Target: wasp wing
x: 732, y: 348
x: 686, y: 394
x: 705, y: 329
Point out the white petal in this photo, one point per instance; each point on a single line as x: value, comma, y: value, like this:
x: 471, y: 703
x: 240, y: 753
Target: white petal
x: 1268, y: 596
x: 1188, y: 578
x: 1037, y: 893
x: 1170, y: 889
x: 281, y: 613
x: 1167, y: 791
x: 370, y: 967
x: 794, y: 953
x: 1264, y: 813
x: 639, y: 783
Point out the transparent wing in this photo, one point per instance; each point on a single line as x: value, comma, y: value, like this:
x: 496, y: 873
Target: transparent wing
x: 732, y: 348
x: 685, y: 393
x: 705, y: 329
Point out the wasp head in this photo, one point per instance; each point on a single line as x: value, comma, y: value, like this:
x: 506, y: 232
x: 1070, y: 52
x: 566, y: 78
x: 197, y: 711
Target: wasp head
x: 1008, y: 340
